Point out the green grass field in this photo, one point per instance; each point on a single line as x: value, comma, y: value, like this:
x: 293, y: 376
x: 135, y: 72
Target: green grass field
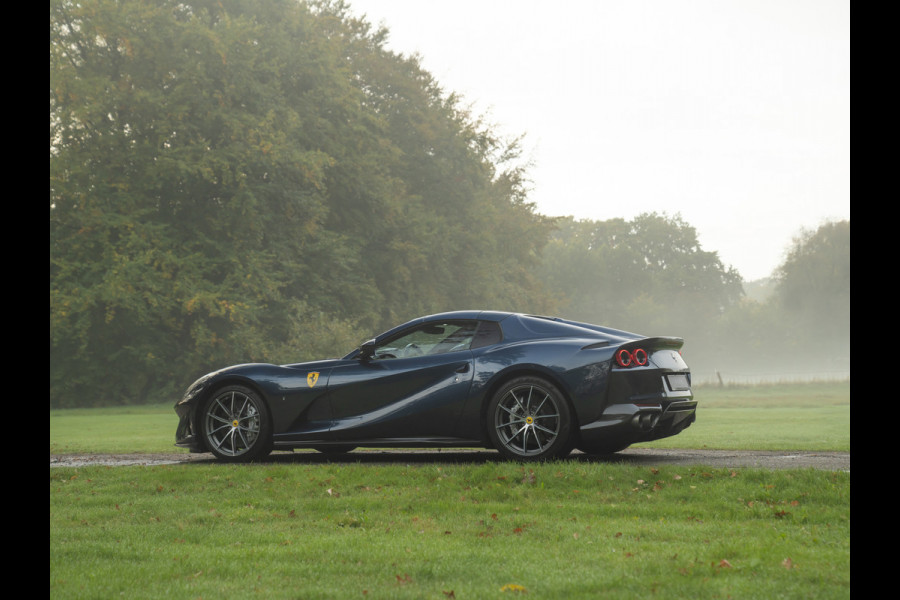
x: 563, y: 529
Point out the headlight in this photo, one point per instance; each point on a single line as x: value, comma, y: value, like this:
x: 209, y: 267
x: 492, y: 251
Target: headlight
x: 194, y: 389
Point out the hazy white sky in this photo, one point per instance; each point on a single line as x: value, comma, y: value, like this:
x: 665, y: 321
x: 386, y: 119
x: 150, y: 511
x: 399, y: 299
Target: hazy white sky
x: 733, y: 113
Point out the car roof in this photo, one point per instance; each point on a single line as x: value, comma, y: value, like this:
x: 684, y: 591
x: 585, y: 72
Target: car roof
x: 520, y: 326
x: 466, y: 315
x: 523, y: 326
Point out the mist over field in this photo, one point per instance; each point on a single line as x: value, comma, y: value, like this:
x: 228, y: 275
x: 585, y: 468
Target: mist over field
x: 651, y: 276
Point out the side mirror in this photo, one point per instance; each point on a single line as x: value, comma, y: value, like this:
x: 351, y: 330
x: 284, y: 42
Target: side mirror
x: 366, y: 350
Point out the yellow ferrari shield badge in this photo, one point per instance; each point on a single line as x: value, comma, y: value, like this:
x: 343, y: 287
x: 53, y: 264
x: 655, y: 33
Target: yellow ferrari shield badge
x: 312, y: 378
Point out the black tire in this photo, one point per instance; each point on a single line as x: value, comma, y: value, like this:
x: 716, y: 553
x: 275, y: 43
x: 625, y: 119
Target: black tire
x: 528, y: 419
x: 235, y: 425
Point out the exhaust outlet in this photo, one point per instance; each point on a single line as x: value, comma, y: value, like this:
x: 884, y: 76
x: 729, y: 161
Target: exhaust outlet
x: 645, y: 421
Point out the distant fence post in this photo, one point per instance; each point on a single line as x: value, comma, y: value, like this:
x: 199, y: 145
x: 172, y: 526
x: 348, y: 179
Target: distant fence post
x: 719, y: 375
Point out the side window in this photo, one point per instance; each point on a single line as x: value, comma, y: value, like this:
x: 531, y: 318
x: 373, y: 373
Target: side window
x: 428, y: 339
x: 488, y: 333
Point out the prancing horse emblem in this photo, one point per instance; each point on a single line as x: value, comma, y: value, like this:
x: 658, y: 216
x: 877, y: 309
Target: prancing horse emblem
x: 312, y: 378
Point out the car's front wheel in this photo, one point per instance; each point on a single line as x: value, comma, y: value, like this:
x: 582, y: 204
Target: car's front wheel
x: 529, y: 419
x: 235, y: 424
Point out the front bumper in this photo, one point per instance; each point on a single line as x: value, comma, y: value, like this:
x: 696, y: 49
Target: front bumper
x: 185, y: 434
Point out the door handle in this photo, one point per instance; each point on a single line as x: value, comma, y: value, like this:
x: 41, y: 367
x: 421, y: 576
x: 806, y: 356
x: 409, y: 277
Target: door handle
x: 463, y: 369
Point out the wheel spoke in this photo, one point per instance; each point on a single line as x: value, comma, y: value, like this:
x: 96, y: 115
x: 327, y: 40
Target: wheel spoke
x: 544, y: 429
x: 219, y: 443
x: 537, y: 440
x: 510, y: 411
x: 518, y: 402
x: 222, y: 406
x: 514, y: 421
x: 216, y: 417
x: 546, y: 416
x: 218, y: 429
x: 516, y: 434
x: 233, y: 439
x: 243, y: 407
x: 239, y: 432
x: 541, y: 405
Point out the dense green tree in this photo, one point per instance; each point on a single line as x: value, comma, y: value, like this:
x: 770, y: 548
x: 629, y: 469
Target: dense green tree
x: 239, y: 180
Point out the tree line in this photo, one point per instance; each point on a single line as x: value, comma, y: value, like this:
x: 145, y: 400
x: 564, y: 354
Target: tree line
x: 263, y: 180
x: 650, y: 275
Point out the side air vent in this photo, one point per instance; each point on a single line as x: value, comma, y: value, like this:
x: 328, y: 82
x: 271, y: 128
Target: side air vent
x: 597, y: 345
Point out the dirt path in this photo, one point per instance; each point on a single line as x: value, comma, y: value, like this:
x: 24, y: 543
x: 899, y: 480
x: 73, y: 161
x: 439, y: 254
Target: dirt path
x: 830, y: 461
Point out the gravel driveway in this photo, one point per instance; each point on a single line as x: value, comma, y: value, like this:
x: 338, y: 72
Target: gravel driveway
x: 829, y: 461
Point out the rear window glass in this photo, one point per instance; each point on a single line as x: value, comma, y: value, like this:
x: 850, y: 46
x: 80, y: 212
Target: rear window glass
x: 488, y: 333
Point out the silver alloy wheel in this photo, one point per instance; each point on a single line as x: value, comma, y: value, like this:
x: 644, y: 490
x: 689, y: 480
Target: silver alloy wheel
x: 527, y: 420
x: 232, y: 423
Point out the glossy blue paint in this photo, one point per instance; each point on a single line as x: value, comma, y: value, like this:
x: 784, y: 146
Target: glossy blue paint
x: 410, y: 395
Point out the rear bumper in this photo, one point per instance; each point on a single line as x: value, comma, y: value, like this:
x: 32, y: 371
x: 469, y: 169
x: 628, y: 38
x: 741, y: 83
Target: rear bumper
x: 644, y: 420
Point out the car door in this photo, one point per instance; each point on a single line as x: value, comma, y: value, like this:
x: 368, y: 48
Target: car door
x: 414, y: 385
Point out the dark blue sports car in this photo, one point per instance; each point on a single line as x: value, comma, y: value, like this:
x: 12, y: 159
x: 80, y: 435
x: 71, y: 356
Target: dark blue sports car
x: 531, y: 387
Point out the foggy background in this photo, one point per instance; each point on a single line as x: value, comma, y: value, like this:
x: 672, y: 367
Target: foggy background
x: 274, y: 181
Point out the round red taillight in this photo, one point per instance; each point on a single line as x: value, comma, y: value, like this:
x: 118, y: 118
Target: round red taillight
x: 640, y: 357
x: 637, y: 357
x: 623, y: 357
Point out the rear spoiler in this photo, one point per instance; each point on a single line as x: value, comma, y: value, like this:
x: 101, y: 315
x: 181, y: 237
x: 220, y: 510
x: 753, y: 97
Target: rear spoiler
x: 657, y: 343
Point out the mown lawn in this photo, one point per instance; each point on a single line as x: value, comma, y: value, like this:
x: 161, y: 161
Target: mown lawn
x: 563, y: 529
x: 494, y: 530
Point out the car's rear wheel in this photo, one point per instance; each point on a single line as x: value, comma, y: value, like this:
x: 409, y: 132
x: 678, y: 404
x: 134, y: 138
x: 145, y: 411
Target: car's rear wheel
x: 235, y: 425
x: 529, y: 419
